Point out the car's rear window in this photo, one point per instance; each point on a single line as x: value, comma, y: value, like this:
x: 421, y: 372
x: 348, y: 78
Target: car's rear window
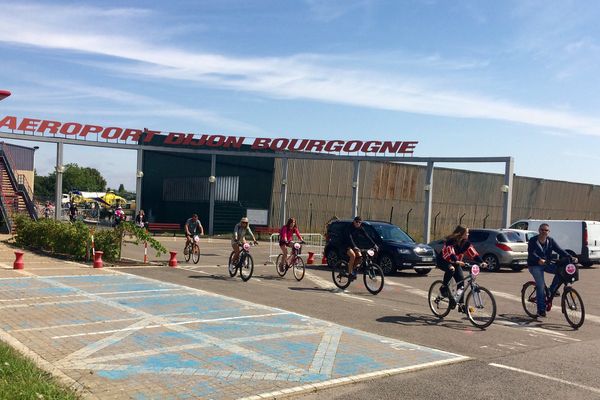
x: 509, y: 237
x: 478, y: 236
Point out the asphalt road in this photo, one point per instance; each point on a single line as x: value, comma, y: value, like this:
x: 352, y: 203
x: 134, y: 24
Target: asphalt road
x: 515, y: 358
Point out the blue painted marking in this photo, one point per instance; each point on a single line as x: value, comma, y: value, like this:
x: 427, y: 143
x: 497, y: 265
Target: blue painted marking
x: 270, y: 346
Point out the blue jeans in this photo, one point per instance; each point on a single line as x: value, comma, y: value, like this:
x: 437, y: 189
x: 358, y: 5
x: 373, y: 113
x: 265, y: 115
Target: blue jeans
x: 538, y: 275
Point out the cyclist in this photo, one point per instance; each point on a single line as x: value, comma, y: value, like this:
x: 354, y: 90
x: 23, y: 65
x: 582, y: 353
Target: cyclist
x: 239, y: 237
x: 539, y: 256
x: 192, y: 228
x: 354, y: 235
x: 450, y: 259
x: 286, y: 234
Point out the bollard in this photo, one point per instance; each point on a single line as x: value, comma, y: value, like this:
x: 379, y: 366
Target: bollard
x: 311, y: 258
x: 173, y: 260
x: 98, y: 259
x: 145, y: 252
x: 19, y: 264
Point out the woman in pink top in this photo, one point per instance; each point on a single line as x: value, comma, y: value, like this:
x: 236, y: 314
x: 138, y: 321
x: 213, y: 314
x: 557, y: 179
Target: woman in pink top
x: 286, y: 234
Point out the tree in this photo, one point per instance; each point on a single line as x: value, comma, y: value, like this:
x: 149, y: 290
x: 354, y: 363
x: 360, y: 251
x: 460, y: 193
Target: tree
x: 74, y: 178
x: 121, y: 190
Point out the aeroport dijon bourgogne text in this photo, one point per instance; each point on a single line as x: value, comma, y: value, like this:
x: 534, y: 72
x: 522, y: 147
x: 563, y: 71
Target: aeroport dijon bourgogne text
x: 78, y: 131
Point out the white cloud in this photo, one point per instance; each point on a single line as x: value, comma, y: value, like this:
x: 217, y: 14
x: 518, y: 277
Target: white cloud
x: 296, y: 77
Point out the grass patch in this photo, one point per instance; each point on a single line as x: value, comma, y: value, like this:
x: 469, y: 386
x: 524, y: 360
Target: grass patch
x: 22, y: 379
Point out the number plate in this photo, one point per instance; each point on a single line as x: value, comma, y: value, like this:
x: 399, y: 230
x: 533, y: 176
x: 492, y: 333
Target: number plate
x: 521, y: 262
x: 427, y: 259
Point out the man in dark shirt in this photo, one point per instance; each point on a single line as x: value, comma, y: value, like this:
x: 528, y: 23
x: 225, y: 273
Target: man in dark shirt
x: 539, y: 249
x: 352, y: 237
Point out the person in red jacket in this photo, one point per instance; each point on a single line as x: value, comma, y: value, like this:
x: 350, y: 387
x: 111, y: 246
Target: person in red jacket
x: 286, y: 234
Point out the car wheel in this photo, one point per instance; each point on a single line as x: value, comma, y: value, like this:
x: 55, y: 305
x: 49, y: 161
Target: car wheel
x: 332, y: 258
x: 422, y: 271
x: 387, y: 264
x: 492, y: 262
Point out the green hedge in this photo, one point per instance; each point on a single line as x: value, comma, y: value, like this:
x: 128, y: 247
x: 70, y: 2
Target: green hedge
x: 74, y: 239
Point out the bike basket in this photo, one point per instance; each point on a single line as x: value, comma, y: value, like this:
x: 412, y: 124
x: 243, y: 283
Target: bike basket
x: 569, y: 272
x: 246, y: 246
x: 297, y: 247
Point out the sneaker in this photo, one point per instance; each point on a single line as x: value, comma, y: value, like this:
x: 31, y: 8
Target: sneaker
x: 541, y: 314
x: 352, y: 277
x: 444, y: 291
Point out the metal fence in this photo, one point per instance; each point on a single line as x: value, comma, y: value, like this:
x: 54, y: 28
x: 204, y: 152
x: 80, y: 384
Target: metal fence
x: 314, y: 243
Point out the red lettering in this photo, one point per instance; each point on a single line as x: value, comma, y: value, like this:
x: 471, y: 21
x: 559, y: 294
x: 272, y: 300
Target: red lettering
x: 149, y: 135
x: 90, y: 129
x: 408, y: 147
x: 215, y: 141
x: 201, y: 141
x: 174, y: 138
x: 71, y: 128
x: 235, y: 142
x: 334, y: 145
x: 260, y: 143
x: 50, y: 126
x: 390, y: 147
x: 188, y: 139
x: 279, y: 144
x: 371, y: 147
x: 28, y: 124
x: 111, y: 133
x: 315, y: 144
x: 9, y: 123
x: 292, y: 146
x: 352, y: 146
x: 134, y: 134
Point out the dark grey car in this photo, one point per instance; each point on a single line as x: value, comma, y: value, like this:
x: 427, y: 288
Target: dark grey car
x: 498, y: 248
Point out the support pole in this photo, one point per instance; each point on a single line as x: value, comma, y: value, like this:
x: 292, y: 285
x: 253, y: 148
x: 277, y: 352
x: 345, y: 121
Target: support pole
x: 138, y: 181
x: 213, y: 187
x: 507, y: 192
x: 59, y: 181
x: 428, y: 202
x: 355, y: 179
x: 283, y: 204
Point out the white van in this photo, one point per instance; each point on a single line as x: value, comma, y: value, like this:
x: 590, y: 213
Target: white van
x: 577, y: 237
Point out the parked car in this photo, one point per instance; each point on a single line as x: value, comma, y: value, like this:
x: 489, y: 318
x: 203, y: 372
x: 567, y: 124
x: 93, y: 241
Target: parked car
x: 524, y: 234
x: 498, y: 248
x: 577, y: 237
x: 397, y: 250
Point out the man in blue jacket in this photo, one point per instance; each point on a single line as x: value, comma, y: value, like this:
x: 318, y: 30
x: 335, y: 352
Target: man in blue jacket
x: 539, y: 251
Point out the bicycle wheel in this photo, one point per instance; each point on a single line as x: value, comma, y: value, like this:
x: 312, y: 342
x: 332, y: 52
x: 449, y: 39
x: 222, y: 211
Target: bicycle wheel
x: 438, y: 303
x: 339, y: 273
x: 187, y: 252
x: 299, y: 269
x: 480, y: 307
x: 232, y: 269
x: 373, y: 278
x: 247, y: 267
x: 572, y: 307
x: 195, y: 253
x: 528, y: 299
x: 281, y: 269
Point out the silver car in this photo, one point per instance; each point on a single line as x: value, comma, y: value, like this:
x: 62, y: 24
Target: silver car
x: 498, y: 248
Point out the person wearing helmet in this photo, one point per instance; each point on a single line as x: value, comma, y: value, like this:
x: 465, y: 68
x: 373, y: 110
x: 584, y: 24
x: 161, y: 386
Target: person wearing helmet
x: 239, y: 237
x: 119, y: 215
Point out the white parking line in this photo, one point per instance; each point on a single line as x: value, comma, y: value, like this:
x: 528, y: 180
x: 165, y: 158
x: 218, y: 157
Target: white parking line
x: 551, y: 378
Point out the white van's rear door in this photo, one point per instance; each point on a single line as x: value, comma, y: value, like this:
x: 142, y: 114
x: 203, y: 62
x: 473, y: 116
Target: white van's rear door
x: 593, y: 237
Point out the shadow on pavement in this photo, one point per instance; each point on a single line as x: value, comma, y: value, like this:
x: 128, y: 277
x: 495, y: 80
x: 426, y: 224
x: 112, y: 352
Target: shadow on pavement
x: 423, y: 320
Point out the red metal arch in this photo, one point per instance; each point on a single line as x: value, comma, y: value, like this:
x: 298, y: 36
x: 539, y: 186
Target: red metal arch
x: 4, y: 94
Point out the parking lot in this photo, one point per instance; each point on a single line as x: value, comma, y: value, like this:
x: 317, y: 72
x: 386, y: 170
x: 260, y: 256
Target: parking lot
x: 126, y: 332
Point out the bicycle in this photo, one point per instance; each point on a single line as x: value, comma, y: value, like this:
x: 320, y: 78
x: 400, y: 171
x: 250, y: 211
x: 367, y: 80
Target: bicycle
x: 372, y: 273
x: 296, y: 263
x: 192, y: 250
x: 571, y: 303
x: 479, y: 306
x: 245, y: 263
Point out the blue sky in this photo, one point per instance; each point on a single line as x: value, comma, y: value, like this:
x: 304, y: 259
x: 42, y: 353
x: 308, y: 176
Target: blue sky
x: 464, y: 78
